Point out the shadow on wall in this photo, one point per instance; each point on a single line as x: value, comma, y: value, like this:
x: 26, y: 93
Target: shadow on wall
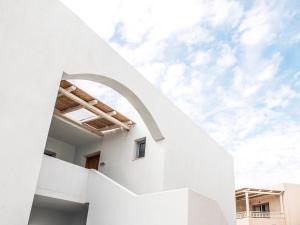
x: 49, y: 211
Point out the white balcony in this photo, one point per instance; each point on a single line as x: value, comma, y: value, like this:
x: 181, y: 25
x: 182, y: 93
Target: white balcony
x: 65, y: 181
x: 260, y: 218
x: 256, y: 214
x: 62, y: 180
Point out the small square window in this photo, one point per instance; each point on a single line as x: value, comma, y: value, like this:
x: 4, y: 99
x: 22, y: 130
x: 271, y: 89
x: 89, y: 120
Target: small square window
x: 140, y: 148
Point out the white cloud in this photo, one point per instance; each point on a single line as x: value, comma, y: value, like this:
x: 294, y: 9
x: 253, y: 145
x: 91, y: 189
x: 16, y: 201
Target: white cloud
x: 245, y: 84
x: 141, y: 54
x: 249, y: 79
x: 226, y: 12
x: 269, y: 158
x: 250, y: 90
x: 235, y: 119
x: 259, y: 24
x: 201, y: 58
x: 295, y: 39
x: 101, y: 92
x: 153, y: 71
x: 270, y: 68
x: 164, y: 17
x: 102, y: 18
x: 196, y: 35
x: 227, y: 57
x: 174, y: 77
x: 279, y: 98
x: 106, y: 95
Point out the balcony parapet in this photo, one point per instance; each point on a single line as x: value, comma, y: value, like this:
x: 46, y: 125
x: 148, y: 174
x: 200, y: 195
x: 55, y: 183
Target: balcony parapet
x: 62, y: 180
x: 258, y: 214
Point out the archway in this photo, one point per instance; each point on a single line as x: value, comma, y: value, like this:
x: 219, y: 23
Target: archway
x: 128, y: 94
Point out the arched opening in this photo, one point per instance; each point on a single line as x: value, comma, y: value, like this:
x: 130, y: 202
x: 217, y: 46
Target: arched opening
x: 89, y: 131
x: 128, y: 94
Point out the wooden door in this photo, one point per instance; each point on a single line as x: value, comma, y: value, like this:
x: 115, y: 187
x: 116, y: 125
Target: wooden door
x: 92, y: 162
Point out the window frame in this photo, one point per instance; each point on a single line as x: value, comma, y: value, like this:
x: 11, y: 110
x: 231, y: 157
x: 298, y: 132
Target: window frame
x: 138, y: 143
x: 261, y: 206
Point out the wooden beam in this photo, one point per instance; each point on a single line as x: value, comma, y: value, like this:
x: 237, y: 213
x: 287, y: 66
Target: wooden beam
x: 72, y: 109
x: 129, y: 122
x: 90, y: 119
x: 69, y: 89
x: 93, y: 108
x: 59, y: 115
x: 264, y: 192
x: 93, y: 129
x: 254, y: 194
x: 93, y: 102
x: 112, y: 113
x: 107, y: 128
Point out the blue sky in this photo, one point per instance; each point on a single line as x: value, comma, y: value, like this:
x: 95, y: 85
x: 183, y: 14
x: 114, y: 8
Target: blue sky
x: 233, y: 66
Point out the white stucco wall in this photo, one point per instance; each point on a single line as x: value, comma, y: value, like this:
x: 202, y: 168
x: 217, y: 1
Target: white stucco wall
x: 193, y: 159
x: 34, y: 53
x: 118, y: 151
x: 63, y: 150
x: 111, y: 203
x: 199, y: 207
x: 63, y: 180
x: 31, y: 68
x: 291, y: 200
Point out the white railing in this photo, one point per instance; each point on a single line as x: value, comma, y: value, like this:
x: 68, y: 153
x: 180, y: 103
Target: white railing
x: 241, y: 215
x: 258, y: 214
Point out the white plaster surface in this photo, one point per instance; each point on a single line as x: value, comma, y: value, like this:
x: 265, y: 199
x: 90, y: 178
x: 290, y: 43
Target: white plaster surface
x: 111, y: 203
x: 291, y: 202
x: 59, y: 179
x: 63, y: 150
x: 143, y: 175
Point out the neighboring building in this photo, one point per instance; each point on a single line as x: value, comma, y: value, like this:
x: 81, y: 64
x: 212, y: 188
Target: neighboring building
x: 277, y: 205
x: 100, y: 167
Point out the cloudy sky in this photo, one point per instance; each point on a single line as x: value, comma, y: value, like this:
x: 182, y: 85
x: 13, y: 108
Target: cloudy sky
x: 234, y: 66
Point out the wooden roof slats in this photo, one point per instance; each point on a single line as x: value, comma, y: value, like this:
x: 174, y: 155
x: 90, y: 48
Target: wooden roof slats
x: 255, y: 193
x: 71, y: 98
x: 76, y: 124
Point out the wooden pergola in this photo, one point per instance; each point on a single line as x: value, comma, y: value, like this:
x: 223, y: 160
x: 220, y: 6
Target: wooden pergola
x: 246, y: 194
x: 254, y: 193
x: 104, y: 119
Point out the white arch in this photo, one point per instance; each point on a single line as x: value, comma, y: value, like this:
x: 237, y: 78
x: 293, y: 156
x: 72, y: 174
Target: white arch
x: 128, y: 94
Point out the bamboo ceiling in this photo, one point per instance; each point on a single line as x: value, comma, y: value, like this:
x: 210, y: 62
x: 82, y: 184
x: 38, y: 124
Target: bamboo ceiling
x: 71, y: 98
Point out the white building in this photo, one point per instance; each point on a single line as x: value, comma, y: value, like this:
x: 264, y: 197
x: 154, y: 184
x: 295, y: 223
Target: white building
x: 182, y: 178
x: 277, y: 205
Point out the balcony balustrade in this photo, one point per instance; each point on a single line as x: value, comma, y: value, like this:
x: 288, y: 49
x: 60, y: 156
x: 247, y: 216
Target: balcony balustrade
x: 258, y: 214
